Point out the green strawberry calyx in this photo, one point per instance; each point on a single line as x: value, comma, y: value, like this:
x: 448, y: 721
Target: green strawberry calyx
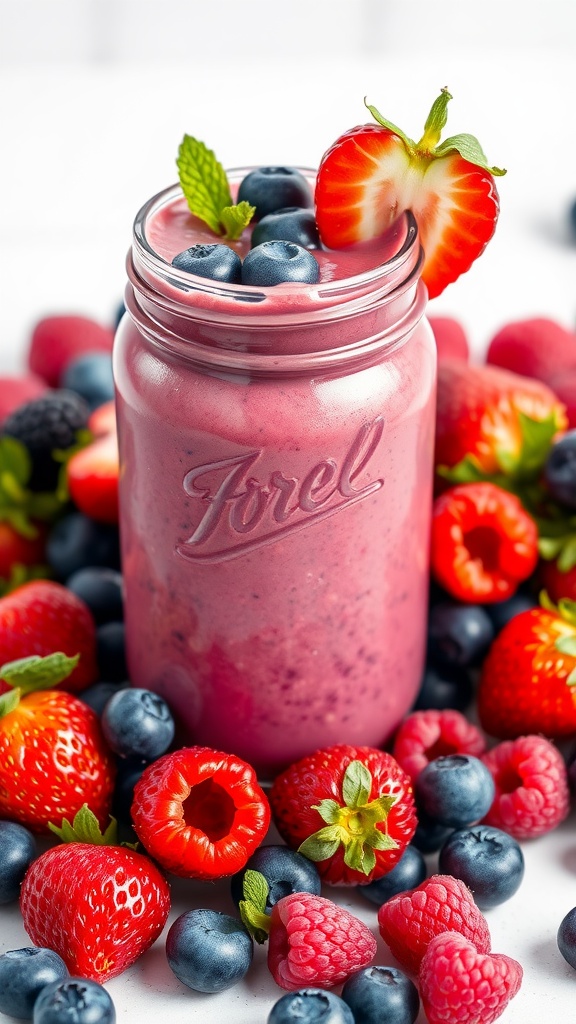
x: 429, y: 146
x: 517, y: 468
x: 566, y: 642
x: 253, y: 908
x: 353, y: 824
x: 85, y: 828
x: 205, y: 186
x: 27, y: 675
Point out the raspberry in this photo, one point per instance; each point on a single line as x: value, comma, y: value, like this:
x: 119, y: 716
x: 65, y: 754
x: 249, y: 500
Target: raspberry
x: 57, y: 340
x: 314, y: 942
x: 563, y: 385
x: 539, y: 348
x: 44, y: 425
x: 531, y: 779
x: 425, y: 735
x: 450, y: 337
x: 460, y: 984
x: 442, y: 903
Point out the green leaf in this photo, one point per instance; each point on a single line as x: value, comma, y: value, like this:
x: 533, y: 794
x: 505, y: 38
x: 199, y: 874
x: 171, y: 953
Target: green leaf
x: 571, y: 681
x: 566, y: 645
x: 381, y: 840
x: 235, y: 218
x: 323, y: 844
x: 550, y: 547
x: 255, y: 889
x: 470, y: 149
x: 359, y: 858
x: 329, y: 810
x: 356, y: 785
x: 9, y: 701
x: 467, y: 471
x: 15, y: 460
x: 253, y: 906
x: 203, y: 181
x: 38, y: 673
x: 409, y: 143
x: 567, y: 557
x: 537, y: 437
x: 85, y: 829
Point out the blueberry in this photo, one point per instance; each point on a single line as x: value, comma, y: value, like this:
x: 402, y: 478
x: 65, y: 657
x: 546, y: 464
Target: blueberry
x: 566, y: 938
x: 23, y: 975
x: 273, y: 188
x: 118, y: 314
x: 218, y: 262
x: 502, y: 612
x: 560, y: 470
x: 292, y: 224
x: 310, y: 1006
x: 409, y: 872
x: 445, y: 688
x: 379, y: 994
x: 111, y: 652
x: 74, y: 1001
x: 430, y: 834
x: 17, y: 851
x: 137, y: 723
x: 90, y: 376
x: 101, y: 589
x: 275, y: 262
x: 98, y: 695
x: 127, y: 775
x: 455, y: 790
x: 459, y: 635
x: 487, y: 860
x: 285, y: 871
x: 76, y: 541
x: 208, y: 951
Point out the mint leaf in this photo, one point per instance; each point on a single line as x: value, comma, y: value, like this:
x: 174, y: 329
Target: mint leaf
x: 356, y: 785
x: 255, y: 889
x: 38, y: 673
x: 253, y: 907
x: 204, y: 182
x: 235, y: 218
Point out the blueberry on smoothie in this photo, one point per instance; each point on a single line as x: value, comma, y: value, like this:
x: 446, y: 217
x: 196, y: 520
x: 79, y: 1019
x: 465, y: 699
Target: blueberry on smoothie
x: 218, y: 262
x: 291, y: 224
x: 17, y: 851
x: 272, y: 188
x: 23, y: 975
x: 276, y: 262
x: 456, y: 790
x: 208, y: 951
x: 487, y: 860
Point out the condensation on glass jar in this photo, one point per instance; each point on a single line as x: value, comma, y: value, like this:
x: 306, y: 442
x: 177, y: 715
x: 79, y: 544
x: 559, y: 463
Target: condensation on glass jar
x: 276, y: 453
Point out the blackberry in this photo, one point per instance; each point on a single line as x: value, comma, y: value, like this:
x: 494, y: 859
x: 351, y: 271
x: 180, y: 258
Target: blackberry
x: 44, y: 425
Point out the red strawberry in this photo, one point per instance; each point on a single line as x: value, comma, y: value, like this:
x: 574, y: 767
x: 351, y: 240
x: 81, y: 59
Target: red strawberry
x: 350, y: 809
x: 425, y: 735
x: 410, y: 920
x: 532, y: 791
x: 483, y: 543
x: 374, y: 172
x: 200, y: 813
x: 491, y: 422
x: 460, y: 984
x: 53, y: 758
x: 92, y: 475
x: 557, y: 582
x: 99, y: 906
x: 528, y: 681
x: 313, y: 941
x: 41, y: 617
x: 450, y: 337
x: 539, y: 348
x: 17, y: 390
x: 15, y: 549
x: 57, y: 340
x: 563, y: 385
x: 102, y: 420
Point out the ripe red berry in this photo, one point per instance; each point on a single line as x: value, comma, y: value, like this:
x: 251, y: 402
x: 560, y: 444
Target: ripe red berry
x: 409, y: 921
x: 425, y: 735
x: 458, y: 983
x: 539, y: 347
x: 483, y: 543
x: 350, y: 809
x: 532, y: 792
x: 56, y: 340
x: 312, y: 941
x: 450, y: 337
x: 17, y: 390
x: 200, y: 813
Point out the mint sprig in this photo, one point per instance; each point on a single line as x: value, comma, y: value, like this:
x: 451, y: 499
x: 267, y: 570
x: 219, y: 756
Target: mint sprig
x: 205, y: 186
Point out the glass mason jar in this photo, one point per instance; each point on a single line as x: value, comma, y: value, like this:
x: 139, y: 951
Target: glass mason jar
x: 276, y: 451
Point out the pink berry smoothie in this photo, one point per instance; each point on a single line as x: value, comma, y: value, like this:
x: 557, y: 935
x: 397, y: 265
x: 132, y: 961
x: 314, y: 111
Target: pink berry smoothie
x: 276, y: 471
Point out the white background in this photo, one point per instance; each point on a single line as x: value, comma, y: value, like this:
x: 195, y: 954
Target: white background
x: 95, y: 96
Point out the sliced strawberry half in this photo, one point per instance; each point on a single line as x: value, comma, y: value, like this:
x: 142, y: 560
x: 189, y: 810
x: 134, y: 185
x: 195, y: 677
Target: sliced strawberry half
x: 374, y: 172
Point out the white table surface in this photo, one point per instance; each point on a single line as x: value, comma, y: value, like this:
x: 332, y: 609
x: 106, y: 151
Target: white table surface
x: 84, y: 147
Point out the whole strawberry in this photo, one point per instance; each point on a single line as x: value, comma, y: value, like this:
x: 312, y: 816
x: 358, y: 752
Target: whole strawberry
x: 350, y: 809
x: 200, y: 812
x: 97, y: 904
x: 458, y: 983
x: 491, y: 422
x: 410, y: 920
x: 528, y: 681
x: 374, y: 172
x: 43, y: 616
x: 53, y: 758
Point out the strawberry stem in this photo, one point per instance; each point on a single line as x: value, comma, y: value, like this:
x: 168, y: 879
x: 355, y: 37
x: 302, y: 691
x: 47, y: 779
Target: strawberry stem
x: 435, y: 122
